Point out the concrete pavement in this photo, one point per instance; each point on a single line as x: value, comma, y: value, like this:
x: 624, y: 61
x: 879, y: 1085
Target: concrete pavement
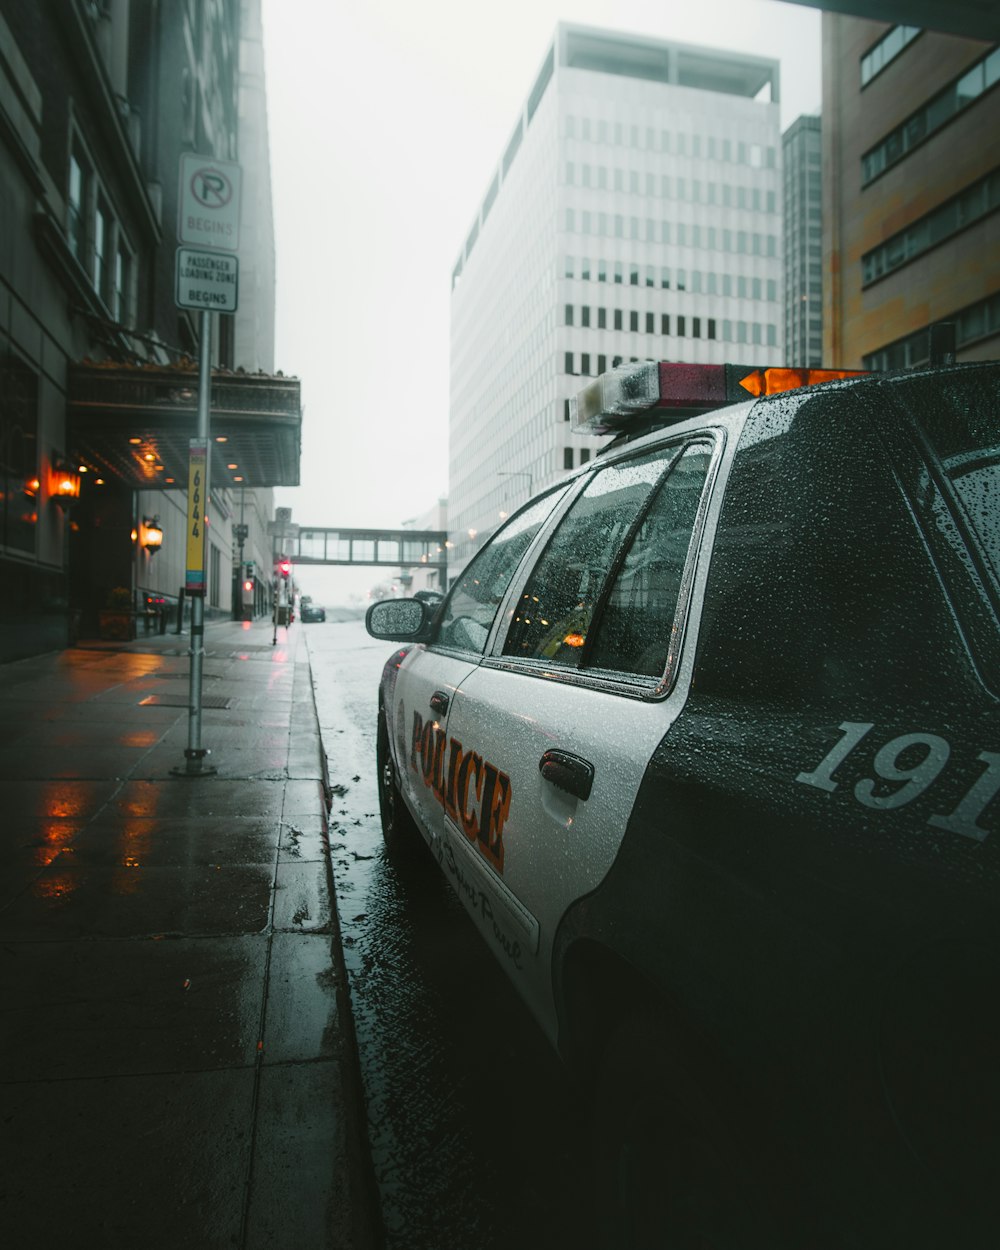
x: 178, y: 1060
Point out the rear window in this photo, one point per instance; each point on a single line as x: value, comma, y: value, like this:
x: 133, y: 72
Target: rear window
x: 957, y: 495
x: 959, y: 418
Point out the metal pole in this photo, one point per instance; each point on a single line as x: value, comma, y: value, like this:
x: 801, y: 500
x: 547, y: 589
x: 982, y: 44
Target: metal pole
x: 195, y: 753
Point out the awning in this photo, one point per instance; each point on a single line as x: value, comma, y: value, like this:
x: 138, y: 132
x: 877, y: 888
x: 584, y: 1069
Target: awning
x: 132, y: 423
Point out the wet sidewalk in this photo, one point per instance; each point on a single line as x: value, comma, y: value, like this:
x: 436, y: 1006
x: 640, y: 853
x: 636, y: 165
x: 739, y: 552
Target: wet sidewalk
x: 177, y: 1064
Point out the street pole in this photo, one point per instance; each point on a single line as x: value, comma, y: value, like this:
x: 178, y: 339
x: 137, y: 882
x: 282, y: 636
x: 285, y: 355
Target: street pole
x: 195, y: 753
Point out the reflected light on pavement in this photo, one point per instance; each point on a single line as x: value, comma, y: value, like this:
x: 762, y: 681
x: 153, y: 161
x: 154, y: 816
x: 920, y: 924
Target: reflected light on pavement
x: 58, y: 886
x: 61, y: 799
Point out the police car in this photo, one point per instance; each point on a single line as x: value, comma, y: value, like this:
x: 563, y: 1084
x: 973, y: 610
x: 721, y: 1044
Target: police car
x: 707, y: 741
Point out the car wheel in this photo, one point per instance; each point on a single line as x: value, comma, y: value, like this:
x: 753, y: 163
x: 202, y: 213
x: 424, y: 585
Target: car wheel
x: 397, y: 823
x: 669, y: 1174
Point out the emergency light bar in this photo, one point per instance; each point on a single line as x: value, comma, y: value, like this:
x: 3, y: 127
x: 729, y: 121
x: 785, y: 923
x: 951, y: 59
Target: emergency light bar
x: 611, y: 402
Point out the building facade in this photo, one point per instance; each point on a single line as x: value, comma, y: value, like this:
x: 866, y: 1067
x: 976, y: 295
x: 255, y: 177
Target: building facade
x: 635, y: 213
x: 911, y: 187
x: 803, y: 188
x: 98, y: 100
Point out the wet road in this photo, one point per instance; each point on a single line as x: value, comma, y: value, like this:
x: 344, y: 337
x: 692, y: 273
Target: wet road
x: 476, y: 1140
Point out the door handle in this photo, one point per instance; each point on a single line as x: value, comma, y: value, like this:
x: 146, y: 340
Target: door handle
x: 439, y: 702
x: 569, y: 772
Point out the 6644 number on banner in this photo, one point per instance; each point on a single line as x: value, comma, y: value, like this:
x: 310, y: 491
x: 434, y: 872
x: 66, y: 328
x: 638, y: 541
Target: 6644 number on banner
x: 194, y: 580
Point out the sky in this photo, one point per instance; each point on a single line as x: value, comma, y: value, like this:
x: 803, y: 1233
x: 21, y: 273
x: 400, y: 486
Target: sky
x: 387, y: 119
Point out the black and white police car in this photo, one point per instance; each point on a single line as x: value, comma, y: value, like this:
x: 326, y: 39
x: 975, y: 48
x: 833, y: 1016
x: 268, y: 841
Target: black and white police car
x: 707, y: 740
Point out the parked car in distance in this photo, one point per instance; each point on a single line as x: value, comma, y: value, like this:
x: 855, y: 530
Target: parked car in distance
x: 310, y: 612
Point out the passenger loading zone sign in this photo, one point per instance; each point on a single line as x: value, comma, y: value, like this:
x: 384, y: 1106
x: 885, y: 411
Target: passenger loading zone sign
x: 208, y: 205
x: 208, y: 280
x: 194, y: 580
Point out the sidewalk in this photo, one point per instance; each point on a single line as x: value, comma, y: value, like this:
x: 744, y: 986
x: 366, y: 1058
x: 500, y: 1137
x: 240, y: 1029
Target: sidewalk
x: 178, y: 1062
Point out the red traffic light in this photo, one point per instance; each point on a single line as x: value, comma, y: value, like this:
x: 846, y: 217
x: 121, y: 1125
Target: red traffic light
x: 285, y: 568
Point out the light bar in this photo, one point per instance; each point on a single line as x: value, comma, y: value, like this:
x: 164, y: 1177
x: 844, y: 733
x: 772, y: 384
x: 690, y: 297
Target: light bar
x: 612, y: 402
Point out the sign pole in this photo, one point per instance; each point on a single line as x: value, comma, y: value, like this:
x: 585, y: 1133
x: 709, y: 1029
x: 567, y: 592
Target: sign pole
x: 198, y: 486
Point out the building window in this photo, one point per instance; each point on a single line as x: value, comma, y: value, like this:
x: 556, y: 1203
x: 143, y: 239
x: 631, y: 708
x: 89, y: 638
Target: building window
x: 569, y: 315
x: 120, y: 297
x: 585, y: 269
x: 633, y: 322
x: 584, y: 454
x: 585, y: 315
x: 618, y: 271
x: 568, y: 267
x: 565, y: 409
x: 618, y: 318
x: 711, y: 328
x: 930, y: 117
x: 567, y: 457
x: 969, y: 206
x: 974, y: 322
x: 664, y: 323
x: 602, y: 318
x: 19, y: 460
x: 602, y: 364
x: 696, y: 327
x: 650, y: 323
x: 102, y: 230
x: 568, y: 364
x: 665, y: 279
x: 585, y: 364
x: 633, y: 275
x: 887, y: 49
x: 602, y: 271
x: 681, y: 326
x: 79, y: 178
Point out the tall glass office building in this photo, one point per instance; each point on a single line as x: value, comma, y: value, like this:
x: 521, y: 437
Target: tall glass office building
x: 803, y: 242
x: 634, y: 214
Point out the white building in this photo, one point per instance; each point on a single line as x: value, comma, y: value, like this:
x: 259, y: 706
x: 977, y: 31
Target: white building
x: 635, y: 213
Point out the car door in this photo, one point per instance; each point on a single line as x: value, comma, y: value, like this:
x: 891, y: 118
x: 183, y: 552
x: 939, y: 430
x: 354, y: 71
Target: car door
x: 548, y: 739
x: 430, y: 674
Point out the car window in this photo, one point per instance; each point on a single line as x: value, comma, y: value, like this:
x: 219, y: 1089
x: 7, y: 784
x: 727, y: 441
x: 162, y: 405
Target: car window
x: 610, y: 535
x: 962, y: 425
x: 636, y: 623
x: 467, y: 615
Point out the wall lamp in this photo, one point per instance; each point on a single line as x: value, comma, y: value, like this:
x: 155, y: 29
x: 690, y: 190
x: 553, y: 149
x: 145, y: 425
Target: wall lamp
x: 152, y: 534
x: 64, y: 483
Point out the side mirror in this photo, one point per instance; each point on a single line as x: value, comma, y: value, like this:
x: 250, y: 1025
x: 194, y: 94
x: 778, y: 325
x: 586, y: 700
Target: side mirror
x: 398, y: 620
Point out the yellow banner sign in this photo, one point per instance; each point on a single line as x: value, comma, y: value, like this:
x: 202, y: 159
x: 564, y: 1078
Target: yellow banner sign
x: 194, y: 581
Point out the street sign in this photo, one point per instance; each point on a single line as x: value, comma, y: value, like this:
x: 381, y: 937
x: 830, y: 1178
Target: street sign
x: 206, y: 280
x: 208, y: 203
x: 277, y: 528
x: 282, y: 515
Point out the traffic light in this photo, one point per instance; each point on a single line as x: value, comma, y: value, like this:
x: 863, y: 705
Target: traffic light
x: 285, y: 567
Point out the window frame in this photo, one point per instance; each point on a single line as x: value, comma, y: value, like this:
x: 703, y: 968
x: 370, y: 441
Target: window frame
x: 634, y: 686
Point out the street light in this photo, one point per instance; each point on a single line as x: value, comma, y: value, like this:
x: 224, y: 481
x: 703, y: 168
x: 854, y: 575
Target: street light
x: 152, y: 537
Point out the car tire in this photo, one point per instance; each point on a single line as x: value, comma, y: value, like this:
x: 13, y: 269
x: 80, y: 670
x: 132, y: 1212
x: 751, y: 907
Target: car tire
x: 398, y: 826
x: 669, y: 1173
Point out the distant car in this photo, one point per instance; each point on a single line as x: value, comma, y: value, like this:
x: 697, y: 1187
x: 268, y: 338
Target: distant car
x: 310, y: 612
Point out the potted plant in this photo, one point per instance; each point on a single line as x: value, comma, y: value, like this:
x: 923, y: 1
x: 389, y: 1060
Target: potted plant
x: 116, y: 618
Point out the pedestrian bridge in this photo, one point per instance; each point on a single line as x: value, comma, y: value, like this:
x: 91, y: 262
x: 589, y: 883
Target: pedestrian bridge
x: 401, y: 548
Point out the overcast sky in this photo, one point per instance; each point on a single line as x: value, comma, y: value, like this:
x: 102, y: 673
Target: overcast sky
x: 387, y: 119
